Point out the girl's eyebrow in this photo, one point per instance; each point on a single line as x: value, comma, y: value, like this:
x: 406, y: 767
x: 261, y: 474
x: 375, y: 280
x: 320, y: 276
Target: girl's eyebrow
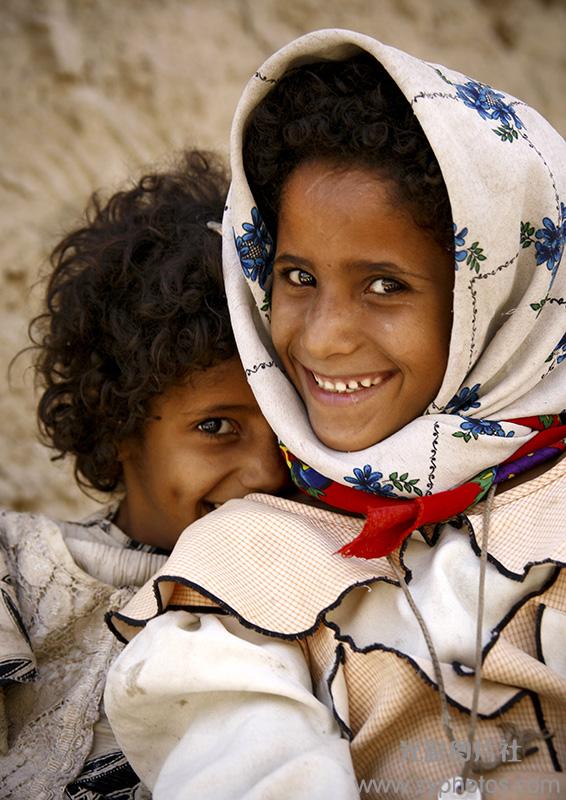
x: 216, y: 410
x: 290, y: 259
x: 388, y: 266
x: 360, y: 266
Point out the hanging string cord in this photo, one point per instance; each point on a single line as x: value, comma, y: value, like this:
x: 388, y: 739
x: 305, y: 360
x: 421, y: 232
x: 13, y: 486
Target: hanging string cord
x: 522, y: 738
x: 445, y: 712
x: 511, y: 734
x: 468, y: 766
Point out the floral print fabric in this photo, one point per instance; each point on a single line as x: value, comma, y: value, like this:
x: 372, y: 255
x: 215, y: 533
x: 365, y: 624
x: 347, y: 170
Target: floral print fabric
x: 503, y: 166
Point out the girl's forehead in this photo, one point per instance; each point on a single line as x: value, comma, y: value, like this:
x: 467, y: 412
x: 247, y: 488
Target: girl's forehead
x: 355, y: 209
x: 318, y: 171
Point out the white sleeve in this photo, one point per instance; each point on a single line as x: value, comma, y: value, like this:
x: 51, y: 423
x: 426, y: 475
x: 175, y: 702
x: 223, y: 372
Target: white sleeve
x: 205, y: 708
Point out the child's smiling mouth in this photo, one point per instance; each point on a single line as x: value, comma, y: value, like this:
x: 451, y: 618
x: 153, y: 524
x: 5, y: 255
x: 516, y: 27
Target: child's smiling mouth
x: 347, y: 385
x: 345, y: 389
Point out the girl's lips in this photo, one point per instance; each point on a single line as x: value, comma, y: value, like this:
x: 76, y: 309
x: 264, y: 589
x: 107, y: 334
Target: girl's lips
x: 348, y: 383
x: 344, y: 397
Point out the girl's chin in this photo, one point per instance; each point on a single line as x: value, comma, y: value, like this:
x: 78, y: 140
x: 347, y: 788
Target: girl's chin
x: 343, y: 440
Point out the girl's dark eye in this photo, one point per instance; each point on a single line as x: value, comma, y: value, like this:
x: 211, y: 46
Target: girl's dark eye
x: 216, y: 426
x: 385, y: 286
x: 299, y: 277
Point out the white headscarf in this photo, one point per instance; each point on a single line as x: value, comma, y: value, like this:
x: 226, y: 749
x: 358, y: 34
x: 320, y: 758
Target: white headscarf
x: 505, y: 171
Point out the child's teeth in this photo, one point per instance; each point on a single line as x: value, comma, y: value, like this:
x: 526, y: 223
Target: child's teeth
x: 341, y: 387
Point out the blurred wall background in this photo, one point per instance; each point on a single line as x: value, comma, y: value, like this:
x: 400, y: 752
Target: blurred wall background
x: 94, y: 90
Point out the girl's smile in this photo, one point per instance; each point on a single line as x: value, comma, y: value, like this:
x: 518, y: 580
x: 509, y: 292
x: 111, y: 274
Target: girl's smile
x: 362, y: 304
x: 344, y: 390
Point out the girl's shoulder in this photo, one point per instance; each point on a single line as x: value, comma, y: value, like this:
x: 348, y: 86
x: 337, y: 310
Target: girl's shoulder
x: 527, y: 522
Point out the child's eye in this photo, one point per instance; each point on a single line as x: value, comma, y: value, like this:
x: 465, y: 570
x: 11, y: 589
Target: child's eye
x: 299, y: 277
x: 217, y: 426
x: 385, y: 286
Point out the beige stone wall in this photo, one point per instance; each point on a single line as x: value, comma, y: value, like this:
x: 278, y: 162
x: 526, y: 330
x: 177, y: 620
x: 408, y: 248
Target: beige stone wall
x: 91, y: 90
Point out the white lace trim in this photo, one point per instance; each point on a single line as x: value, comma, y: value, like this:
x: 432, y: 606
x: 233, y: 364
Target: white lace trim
x: 64, y: 583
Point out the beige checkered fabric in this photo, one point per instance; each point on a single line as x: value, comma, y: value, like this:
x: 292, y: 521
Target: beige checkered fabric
x: 272, y: 563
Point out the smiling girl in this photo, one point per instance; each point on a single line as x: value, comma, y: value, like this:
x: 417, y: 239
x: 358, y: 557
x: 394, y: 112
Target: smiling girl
x: 393, y: 239
x: 346, y: 253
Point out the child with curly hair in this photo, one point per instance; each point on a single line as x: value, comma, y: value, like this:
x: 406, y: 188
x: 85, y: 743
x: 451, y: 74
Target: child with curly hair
x: 393, y: 243
x: 143, y: 388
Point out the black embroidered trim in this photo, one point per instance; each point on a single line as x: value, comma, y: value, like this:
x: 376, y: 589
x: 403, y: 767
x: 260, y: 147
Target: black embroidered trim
x: 422, y: 674
x: 433, y: 96
x: 261, y: 365
x: 105, y: 777
x: 14, y: 612
x: 17, y: 670
x: 263, y: 78
x: 432, y: 473
x: 464, y: 671
x: 541, y: 721
x: 473, y: 294
x: 515, y: 576
x: 231, y: 611
x: 538, y: 622
x: 339, y: 658
x: 109, y: 619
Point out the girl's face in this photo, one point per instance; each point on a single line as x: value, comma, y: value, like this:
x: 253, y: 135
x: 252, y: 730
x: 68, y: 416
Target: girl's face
x: 361, y: 305
x: 205, y: 442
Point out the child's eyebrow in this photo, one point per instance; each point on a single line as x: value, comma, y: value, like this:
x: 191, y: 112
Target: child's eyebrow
x: 298, y: 262
x: 360, y: 266
x: 216, y: 410
x: 391, y: 267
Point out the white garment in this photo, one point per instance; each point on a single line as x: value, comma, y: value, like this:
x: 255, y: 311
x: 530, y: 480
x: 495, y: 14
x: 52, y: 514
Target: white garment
x: 60, y: 579
x: 208, y: 709
x: 219, y: 705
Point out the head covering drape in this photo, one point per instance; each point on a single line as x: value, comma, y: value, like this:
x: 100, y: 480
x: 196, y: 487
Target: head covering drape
x: 505, y: 171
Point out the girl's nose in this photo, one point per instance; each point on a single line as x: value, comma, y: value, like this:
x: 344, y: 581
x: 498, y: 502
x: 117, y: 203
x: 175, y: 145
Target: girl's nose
x: 330, y: 327
x: 264, y: 469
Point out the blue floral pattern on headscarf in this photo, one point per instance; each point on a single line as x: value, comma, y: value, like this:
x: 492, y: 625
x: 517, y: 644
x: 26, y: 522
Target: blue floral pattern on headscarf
x: 255, y: 249
x: 368, y: 480
x: 488, y: 103
x: 466, y: 399
x: 551, y: 242
x: 474, y: 428
x: 472, y: 255
x: 558, y: 355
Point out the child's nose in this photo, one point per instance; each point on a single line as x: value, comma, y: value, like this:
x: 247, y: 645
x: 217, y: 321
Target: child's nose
x: 330, y: 327
x: 264, y: 469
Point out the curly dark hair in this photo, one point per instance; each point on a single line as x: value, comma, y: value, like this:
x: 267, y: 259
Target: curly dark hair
x: 352, y: 114
x: 135, y: 302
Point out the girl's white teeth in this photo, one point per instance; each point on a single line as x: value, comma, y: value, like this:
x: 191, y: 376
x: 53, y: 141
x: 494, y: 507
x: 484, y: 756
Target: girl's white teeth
x: 341, y: 387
